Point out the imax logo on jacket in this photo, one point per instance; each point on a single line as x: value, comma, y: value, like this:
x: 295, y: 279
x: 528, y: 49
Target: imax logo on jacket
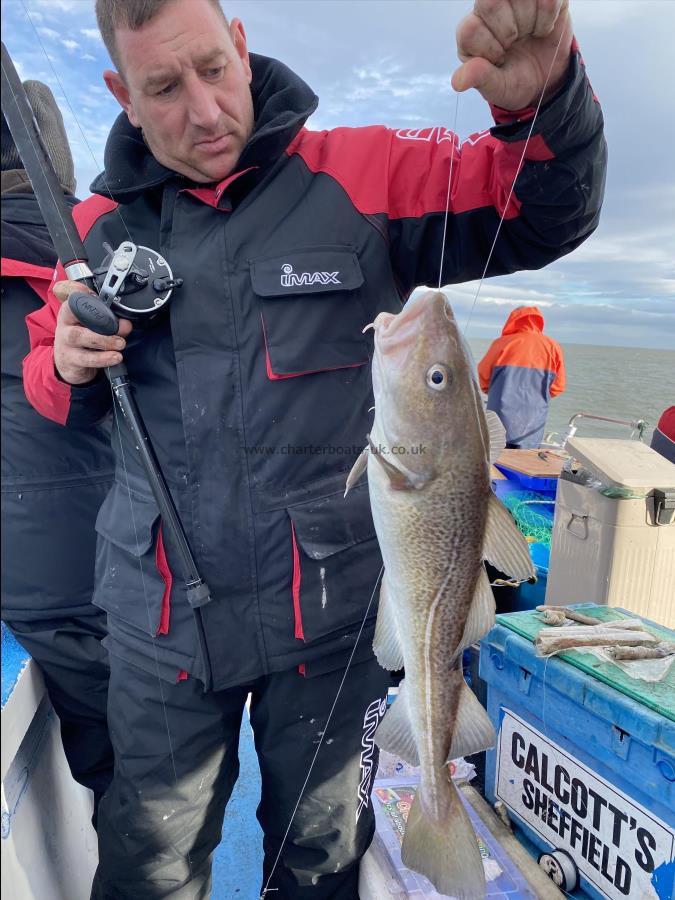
x: 289, y: 278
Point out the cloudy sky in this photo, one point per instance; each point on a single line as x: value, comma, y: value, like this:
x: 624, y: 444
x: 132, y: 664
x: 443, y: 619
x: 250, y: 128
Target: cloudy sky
x: 389, y: 62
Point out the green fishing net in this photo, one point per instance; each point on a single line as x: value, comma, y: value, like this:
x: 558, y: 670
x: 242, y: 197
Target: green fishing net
x: 533, y: 515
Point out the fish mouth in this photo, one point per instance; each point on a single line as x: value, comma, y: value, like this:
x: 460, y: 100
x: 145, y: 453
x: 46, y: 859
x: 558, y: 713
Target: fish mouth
x: 399, y: 333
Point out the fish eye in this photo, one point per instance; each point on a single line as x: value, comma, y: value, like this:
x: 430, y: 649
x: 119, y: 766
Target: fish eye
x: 439, y: 377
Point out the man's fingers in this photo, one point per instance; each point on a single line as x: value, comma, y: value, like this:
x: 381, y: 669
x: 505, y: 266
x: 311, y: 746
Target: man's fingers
x: 474, y: 38
x: 63, y: 289
x: 93, y: 359
x: 125, y: 327
x: 498, y: 17
x: 78, y: 336
x: 482, y: 75
x: 547, y: 16
x: 86, y: 359
x: 525, y: 15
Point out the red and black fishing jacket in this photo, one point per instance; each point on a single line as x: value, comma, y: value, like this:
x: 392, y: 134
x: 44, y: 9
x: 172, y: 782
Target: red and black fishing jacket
x: 53, y: 479
x: 255, y: 386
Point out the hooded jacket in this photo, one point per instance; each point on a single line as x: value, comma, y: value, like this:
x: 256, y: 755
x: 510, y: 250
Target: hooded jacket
x: 521, y: 371
x: 255, y: 385
x: 663, y: 439
x: 54, y: 479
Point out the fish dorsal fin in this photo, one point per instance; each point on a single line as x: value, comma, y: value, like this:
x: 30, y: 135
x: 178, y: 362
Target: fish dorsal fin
x: 504, y: 546
x: 481, y: 616
x: 387, y: 643
x: 395, y: 734
x: 357, y: 469
x: 496, y: 434
x: 473, y: 731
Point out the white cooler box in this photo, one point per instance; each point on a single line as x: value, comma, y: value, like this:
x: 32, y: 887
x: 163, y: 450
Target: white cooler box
x: 614, y: 550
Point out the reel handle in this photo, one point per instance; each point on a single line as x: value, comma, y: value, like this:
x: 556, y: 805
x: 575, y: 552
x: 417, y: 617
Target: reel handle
x: 93, y: 313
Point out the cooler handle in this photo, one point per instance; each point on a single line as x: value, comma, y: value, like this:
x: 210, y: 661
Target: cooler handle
x: 578, y: 525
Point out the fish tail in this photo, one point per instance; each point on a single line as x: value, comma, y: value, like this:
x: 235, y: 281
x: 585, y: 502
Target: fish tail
x: 443, y: 847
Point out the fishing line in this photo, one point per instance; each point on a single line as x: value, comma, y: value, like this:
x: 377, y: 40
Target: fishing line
x: 455, y: 141
x: 116, y: 416
x: 267, y: 889
x: 508, y: 199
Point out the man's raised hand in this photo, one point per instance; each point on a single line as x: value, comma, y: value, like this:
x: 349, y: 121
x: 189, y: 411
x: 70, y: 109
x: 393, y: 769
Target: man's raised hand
x: 507, y: 47
x: 78, y: 352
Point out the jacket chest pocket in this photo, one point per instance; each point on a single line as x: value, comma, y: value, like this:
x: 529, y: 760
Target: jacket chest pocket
x: 312, y: 317
x: 336, y: 563
x: 133, y: 580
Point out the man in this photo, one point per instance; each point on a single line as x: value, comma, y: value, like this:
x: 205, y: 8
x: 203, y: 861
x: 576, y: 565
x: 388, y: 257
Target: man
x: 256, y: 391
x: 520, y: 372
x: 53, y: 482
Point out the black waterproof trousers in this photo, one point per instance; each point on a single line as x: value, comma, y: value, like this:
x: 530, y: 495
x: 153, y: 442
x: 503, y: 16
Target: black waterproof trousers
x: 177, y: 763
x: 74, y: 665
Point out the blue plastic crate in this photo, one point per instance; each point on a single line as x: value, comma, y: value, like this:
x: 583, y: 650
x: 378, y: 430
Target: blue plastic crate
x: 540, y: 554
x: 530, y: 482
x: 582, y: 767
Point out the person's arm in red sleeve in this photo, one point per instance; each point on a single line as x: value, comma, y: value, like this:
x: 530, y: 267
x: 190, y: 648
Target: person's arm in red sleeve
x: 485, y: 367
x: 68, y: 404
x: 560, y: 381
x: 556, y: 198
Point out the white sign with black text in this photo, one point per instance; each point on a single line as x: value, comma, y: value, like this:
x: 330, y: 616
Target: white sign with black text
x: 616, y: 843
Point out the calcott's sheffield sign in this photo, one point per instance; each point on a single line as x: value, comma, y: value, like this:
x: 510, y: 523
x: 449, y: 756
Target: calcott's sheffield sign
x: 616, y: 843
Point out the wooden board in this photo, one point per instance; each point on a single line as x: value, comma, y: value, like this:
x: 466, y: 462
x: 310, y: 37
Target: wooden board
x: 496, y: 475
x: 537, y: 463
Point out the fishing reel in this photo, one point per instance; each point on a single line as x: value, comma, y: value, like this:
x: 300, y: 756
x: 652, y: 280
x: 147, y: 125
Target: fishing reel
x: 133, y: 282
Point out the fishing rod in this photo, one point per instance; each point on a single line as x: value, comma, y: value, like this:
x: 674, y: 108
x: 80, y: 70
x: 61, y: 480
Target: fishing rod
x: 133, y: 281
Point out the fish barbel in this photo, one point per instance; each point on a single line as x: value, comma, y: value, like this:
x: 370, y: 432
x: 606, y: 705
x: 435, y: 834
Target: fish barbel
x: 428, y: 463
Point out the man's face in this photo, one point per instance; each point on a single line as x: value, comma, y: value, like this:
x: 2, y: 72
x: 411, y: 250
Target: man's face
x: 185, y: 82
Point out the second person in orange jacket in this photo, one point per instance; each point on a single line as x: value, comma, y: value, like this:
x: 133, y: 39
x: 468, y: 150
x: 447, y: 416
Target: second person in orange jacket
x: 520, y: 372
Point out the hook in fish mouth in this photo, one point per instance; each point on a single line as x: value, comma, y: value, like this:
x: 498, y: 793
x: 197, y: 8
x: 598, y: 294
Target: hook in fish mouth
x: 382, y: 318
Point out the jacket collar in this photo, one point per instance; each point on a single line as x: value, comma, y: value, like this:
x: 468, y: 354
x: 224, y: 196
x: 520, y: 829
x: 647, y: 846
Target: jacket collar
x: 282, y: 102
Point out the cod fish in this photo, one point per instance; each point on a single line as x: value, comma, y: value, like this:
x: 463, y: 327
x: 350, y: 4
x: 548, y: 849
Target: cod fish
x: 428, y: 463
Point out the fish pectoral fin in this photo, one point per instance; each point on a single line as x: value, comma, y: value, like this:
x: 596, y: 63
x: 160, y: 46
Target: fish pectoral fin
x: 387, y: 643
x: 473, y: 731
x: 400, y: 478
x: 444, y: 849
x: 395, y: 733
x: 504, y: 546
x: 357, y: 469
x: 481, y: 616
x: 496, y: 434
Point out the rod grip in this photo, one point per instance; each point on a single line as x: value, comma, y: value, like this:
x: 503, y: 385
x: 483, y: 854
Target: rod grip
x: 93, y: 313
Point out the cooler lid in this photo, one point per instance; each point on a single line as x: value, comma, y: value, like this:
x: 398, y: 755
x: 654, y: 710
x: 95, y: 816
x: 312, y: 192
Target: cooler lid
x: 656, y: 695
x: 628, y: 464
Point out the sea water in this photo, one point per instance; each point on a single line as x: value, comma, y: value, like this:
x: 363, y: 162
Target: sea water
x: 619, y: 382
